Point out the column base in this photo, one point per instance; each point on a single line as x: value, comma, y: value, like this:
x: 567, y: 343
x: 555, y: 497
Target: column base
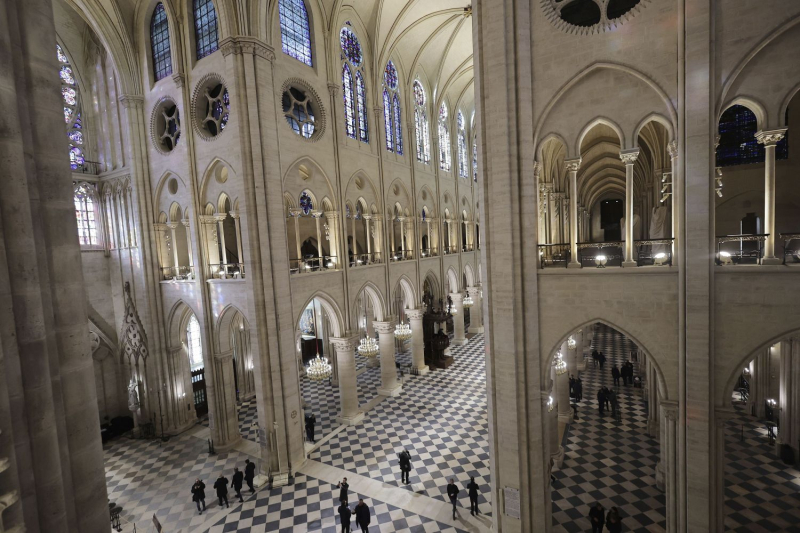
x: 661, y: 482
x: 350, y: 420
x: 574, y: 264
x: 228, y: 446
x: 652, y: 428
x: 278, y: 480
x: 772, y: 261
x: 421, y: 370
x: 629, y: 264
x: 478, y: 329
x: 394, y: 390
x: 373, y: 362
x: 459, y: 342
x: 565, y: 418
x: 582, y: 366
x: 558, y: 457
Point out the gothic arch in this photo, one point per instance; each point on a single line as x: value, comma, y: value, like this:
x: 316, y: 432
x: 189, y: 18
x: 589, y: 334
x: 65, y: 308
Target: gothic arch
x: 378, y: 302
x: 468, y: 272
x: 330, y: 306
x: 226, y: 320
x: 594, y: 122
x: 453, y: 280
x: 653, y: 117
x: 750, y: 103
x: 408, y: 291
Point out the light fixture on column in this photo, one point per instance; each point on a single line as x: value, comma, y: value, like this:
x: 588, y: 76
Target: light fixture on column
x: 659, y: 259
x: 467, y: 302
x: 600, y: 261
x: 560, y: 365
x: 319, y: 369
x: 571, y: 344
x: 402, y: 332
x: 718, y: 182
x: 368, y: 348
x: 725, y: 258
x: 550, y: 404
x: 666, y: 187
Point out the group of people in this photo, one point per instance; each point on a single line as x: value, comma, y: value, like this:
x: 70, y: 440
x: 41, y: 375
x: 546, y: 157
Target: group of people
x: 221, y: 486
x: 626, y: 373
x: 599, y: 518
x: 599, y: 358
x: 361, y: 510
x: 404, y: 461
x: 606, y: 396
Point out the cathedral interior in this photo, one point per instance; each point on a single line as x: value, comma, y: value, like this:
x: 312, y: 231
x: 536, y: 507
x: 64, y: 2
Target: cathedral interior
x: 550, y: 248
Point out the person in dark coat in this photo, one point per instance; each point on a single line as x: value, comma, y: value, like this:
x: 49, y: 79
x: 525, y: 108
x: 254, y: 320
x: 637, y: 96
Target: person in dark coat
x: 221, y: 484
x: 362, y: 515
x: 601, y: 399
x: 613, y: 521
x: 343, y: 486
x: 249, y: 474
x: 607, y: 398
x: 472, y: 488
x: 595, y: 357
x: 199, y: 494
x: 311, y: 421
x: 579, y: 390
x: 612, y: 396
x: 236, y: 483
x: 624, y: 374
x: 602, y: 359
x: 404, y: 458
x: 452, y: 493
x: 344, y: 514
x: 597, y: 516
x: 571, y: 386
x: 615, y: 373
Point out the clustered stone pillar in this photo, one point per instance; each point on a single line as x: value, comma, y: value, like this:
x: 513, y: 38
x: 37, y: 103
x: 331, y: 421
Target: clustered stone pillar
x: 476, y: 311
x: 571, y: 355
x: 348, y: 394
x: 389, y: 385
x: 556, y: 450
x: 225, y: 396
x: 572, y: 169
x: 669, y: 461
x: 770, y: 139
x: 459, y: 338
x: 629, y: 158
x: 417, y: 341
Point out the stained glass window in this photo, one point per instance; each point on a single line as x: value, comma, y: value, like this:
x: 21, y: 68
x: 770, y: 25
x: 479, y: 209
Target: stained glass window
x: 84, y: 199
x: 737, y: 143
x: 463, y: 165
x: 390, y: 75
x: 159, y: 43
x: 444, y: 139
x: 361, y: 99
x: 194, y: 344
x: 353, y: 88
x: 398, y: 126
x: 351, y: 47
x: 387, y: 120
x: 475, y: 162
x: 298, y: 112
x: 295, y: 30
x: 349, y: 104
x: 421, y: 130
x: 72, y: 111
x: 205, y: 27
x: 305, y: 203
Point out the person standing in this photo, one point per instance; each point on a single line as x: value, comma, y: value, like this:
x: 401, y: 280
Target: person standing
x: 404, y: 458
x: 236, y: 483
x: 597, y: 516
x: 199, y: 494
x: 613, y: 521
x: 472, y: 489
x: 344, y: 516
x: 311, y: 421
x: 615, y: 373
x: 601, y: 399
x: 452, y: 493
x: 221, y: 484
x: 579, y: 390
x: 607, y: 398
x: 595, y: 357
x: 602, y: 359
x: 614, y: 405
x: 249, y: 474
x: 362, y: 515
x: 343, y: 486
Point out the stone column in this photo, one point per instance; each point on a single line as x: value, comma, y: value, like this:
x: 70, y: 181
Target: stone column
x: 186, y: 224
x: 458, y: 319
x: 222, y: 247
x: 367, y: 237
x: 721, y: 417
x: 556, y: 450
x: 476, y: 311
x: 572, y: 169
x: 172, y: 227
x: 316, y: 215
x: 652, y: 400
x: 571, y: 355
x: 331, y: 233
x: 225, y: 413
x: 430, y: 237
x: 564, y: 409
x: 295, y: 213
x: 629, y: 158
x: 785, y: 386
x: 672, y: 149
x: 348, y: 393
x: 769, y: 139
x: 579, y: 342
x: 417, y: 341
x: 389, y: 385
x: 669, y: 459
x: 240, y: 251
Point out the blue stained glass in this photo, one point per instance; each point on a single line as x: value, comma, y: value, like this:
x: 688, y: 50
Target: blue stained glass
x: 66, y: 75
x: 295, y: 30
x: 305, y: 203
x: 419, y: 93
x: 205, y: 27
x: 351, y: 48
x: 361, y: 99
x: 159, y: 43
x: 398, y: 127
x: 76, y: 136
x: 62, y: 57
x: 387, y: 120
x: 444, y: 139
x: 475, y: 162
x: 390, y: 75
x: 349, y: 104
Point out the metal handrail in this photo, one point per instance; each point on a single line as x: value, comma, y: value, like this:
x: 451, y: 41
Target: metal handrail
x: 787, y: 238
x: 372, y: 258
x: 313, y: 264
x: 178, y: 273
x: 611, y: 258
x: 640, y: 257
x: 738, y: 256
x: 402, y: 255
x: 429, y: 252
x: 548, y: 255
x: 227, y: 270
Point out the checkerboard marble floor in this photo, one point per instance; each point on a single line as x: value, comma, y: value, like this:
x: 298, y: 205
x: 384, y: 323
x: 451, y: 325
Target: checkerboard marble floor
x: 311, y: 505
x: 440, y: 418
x: 761, y: 492
x: 607, y: 460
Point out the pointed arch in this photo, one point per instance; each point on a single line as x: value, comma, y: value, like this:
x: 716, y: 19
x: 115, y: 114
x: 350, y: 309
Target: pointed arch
x: 330, y: 306
x: 453, y: 280
x: 160, y: 46
x: 229, y: 316
x: 371, y: 291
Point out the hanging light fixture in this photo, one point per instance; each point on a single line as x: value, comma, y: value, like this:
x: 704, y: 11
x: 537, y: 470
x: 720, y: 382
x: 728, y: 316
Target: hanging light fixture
x: 571, y: 344
x: 550, y: 403
x: 560, y: 364
x: 402, y: 332
x: 468, y: 302
x: 368, y: 347
x: 319, y: 369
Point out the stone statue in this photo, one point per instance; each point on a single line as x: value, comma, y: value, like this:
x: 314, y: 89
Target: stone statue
x: 133, y: 396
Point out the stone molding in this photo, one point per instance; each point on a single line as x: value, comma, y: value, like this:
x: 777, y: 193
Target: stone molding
x: 771, y: 137
x: 414, y: 314
x: 629, y: 156
x: 384, y: 327
x: 573, y: 165
x: 129, y: 101
x: 672, y: 149
x: 246, y: 45
x: 344, y: 344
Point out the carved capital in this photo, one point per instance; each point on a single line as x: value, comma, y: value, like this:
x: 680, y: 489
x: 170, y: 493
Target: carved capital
x: 246, y: 45
x: 207, y: 219
x: 573, y: 164
x: 223, y: 357
x: 158, y: 226
x: 414, y: 314
x: 333, y: 89
x: 295, y: 212
x: 345, y: 345
x: 385, y: 327
x: 457, y: 297
x: 332, y: 215
x: 771, y: 137
x: 129, y: 101
x: 178, y: 79
x: 234, y: 215
x: 537, y: 169
x: 672, y: 148
x: 629, y: 156
x: 316, y: 214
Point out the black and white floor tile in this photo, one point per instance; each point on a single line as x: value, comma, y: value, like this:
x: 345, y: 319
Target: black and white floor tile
x: 607, y: 460
x: 440, y: 418
x: 311, y: 505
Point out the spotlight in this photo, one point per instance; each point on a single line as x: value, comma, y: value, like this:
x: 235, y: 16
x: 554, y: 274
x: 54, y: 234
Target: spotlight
x: 600, y: 261
x: 660, y: 258
x: 725, y: 258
